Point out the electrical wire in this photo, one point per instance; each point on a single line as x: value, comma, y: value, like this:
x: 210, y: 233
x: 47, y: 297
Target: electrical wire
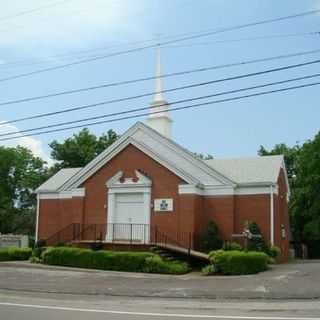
x: 172, y: 109
x: 168, y: 75
x: 181, y: 39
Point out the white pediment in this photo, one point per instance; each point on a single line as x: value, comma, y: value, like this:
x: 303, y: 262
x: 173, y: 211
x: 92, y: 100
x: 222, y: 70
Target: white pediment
x: 166, y: 152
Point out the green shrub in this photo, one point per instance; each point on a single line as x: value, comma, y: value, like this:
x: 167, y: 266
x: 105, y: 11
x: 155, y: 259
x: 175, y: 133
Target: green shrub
x: 34, y: 259
x: 15, y: 254
x: 112, y: 260
x: 104, y: 260
x: 208, y: 270
x: 239, y: 262
x: 232, y: 246
x: 256, y: 243
x: 274, y: 252
x: 156, y: 264
x: 210, y: 239
x: 214, y: 253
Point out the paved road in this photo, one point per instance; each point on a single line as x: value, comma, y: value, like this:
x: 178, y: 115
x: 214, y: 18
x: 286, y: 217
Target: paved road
x: 290, y: 281
x: 50, y: 307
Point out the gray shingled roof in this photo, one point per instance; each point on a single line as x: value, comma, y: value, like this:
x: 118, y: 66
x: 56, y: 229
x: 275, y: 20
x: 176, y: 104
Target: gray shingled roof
x: 249, y: 170
x: 57, y: 180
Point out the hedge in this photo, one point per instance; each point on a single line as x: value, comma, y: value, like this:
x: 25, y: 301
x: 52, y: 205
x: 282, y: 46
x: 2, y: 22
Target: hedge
x: 15, y: 254
x: 157, y: 265
x: 239, y: 262
x: 111, y: 260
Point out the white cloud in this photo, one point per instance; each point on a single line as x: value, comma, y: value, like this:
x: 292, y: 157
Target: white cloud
x: 31, y: 143
x: 71, y: 24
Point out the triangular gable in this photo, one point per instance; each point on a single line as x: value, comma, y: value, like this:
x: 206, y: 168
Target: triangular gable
x: 166, y: 152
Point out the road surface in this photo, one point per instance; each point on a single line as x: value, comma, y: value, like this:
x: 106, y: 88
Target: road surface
x: 16, y: 306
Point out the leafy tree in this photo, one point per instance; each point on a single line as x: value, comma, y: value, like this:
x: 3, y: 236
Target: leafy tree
x: 303, y: 165
x: 81, y: 148
x: 305, y: 202
x: 20, y: 174
x: 257, y: 242
x: 210, y: 239
x: 290, y: 154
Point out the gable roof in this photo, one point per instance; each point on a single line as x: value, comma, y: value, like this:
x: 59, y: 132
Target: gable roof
x: 57, y: 180
x: 194, y: 171
x: 262, y: 169
x: 163, y: 150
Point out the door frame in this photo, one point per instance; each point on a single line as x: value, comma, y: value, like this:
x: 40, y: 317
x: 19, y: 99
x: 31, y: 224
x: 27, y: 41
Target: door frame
x: 117, y: 185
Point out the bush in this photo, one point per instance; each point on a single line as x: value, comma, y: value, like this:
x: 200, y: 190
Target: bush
x: 210, y: 239
x: 256, y: 243
x: 96, y: 246
x: 34, y: 259
x: 111, y: 260
x: 274, y: 252
x: 208, y: 270
x: 232, y: 246
x: 15, y: 254
x: 156, y: 264
x: 41, y: 243
x: 239, y: 262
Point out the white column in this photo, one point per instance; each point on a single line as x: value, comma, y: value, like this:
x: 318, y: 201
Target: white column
x: 37, y: 217
x: 110, y: 217
x: 271, y: 215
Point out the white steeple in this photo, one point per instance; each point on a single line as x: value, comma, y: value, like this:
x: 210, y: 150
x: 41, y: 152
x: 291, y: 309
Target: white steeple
x: 159, y: 118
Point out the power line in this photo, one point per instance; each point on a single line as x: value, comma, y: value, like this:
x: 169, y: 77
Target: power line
x: 155, y: 107
x: 163, y: 91
x: 172, y: 109
x: 265, y: 37
x: 26, y: 12
x: 180, y: 73
x: 77, y: 54
x: 181, y: 39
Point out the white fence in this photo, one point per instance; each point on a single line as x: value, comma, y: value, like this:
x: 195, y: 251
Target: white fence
x: 13, y: 240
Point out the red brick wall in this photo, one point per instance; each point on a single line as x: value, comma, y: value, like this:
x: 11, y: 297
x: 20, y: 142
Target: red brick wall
x: 255, y: 208
x: 191, y: 213
x: 220, y: 209
x: 164, y: 185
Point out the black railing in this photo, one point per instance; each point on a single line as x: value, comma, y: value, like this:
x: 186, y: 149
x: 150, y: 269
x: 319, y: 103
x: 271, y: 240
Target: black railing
x: 69, y: 233
x: 128, y: 233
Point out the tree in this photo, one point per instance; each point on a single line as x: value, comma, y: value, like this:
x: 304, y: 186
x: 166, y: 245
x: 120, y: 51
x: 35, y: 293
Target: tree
x: 210, y: 239
x: 305, y: 202
x: 20, y: 174
x: 290, y: 154
x: 81, y: 148
x: 257, y: 242
x: 303, y: 166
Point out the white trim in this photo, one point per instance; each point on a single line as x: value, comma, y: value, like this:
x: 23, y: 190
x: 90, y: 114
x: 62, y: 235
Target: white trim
x: 116, y: 186
x: 225, y: 190
x: 271, y: 215
x: 37, y: 218
x: 79, y: 192
x: 126, y: 139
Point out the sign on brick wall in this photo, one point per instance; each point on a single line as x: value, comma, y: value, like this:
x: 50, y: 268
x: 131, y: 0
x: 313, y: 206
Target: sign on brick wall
x: 163, y: 204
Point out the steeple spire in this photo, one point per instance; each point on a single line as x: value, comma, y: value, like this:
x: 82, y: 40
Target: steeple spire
x: 159, y: 118
x: 159, y: 87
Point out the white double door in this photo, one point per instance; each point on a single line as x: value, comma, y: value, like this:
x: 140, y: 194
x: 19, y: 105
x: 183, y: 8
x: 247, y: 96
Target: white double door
x: 130, y: 219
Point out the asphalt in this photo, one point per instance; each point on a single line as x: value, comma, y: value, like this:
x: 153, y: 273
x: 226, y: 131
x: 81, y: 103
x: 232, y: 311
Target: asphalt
x: 299, y: 280
x: 34, y: 306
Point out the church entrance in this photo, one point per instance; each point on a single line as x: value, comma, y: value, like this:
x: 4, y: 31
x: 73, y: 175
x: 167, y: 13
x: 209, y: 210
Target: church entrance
x: 128, y: 215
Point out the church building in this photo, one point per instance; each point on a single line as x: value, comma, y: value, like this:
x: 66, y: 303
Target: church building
x: 145, y: 185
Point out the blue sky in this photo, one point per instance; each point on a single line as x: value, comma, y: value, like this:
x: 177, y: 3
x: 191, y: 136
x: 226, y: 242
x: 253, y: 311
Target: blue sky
x: 226, y: 130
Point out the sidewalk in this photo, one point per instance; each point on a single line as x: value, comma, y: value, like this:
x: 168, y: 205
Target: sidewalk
x: 297, y: 280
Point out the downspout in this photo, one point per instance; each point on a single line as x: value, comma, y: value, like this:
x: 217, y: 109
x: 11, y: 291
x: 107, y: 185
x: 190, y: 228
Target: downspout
x: 271, y: 215
x: 37, y: 217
